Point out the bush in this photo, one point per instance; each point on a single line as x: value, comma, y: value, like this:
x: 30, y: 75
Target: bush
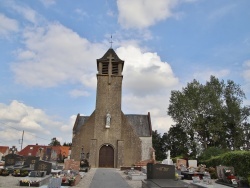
x: 211, y: 152
x: 240, y: 160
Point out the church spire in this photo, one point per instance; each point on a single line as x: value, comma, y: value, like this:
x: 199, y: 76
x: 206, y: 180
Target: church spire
x: 110, y: 64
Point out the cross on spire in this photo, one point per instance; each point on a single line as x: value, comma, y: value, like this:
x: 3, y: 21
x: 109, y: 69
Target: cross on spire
x: 111, y: 41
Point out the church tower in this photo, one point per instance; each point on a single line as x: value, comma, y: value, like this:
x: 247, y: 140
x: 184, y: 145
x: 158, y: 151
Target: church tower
x: 108, y: 137
x: 108, y: 102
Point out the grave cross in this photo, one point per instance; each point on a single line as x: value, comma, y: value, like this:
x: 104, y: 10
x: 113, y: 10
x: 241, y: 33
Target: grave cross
x: 13, y: 150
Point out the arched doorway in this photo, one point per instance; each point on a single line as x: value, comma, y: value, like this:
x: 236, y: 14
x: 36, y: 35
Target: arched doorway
x: 106, y: 156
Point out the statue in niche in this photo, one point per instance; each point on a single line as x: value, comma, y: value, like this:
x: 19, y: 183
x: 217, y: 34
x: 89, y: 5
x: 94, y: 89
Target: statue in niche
x: 108, y: 118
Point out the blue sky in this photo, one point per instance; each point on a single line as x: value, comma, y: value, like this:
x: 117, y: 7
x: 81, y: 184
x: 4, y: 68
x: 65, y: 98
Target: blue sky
x: 49, y: 50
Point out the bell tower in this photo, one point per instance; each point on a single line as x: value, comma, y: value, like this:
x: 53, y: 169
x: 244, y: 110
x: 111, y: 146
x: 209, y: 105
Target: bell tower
x: 109, y: 92
x: 108, y: 113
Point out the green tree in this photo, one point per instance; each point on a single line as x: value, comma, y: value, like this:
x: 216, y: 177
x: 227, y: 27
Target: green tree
x: 54, y: 142
x: 211, y: 114
x: 158, y: 145
x: 176, y: 141
x: 67, y: 144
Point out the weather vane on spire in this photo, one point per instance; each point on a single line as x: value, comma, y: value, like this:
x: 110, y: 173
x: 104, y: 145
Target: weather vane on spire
x: 111, y: 41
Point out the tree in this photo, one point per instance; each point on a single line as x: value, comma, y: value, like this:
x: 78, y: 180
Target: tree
x: 54, y: 142
x: 210, y: 114
x: 158, y: 145
x: 176, y: 141
x: 67, y: 144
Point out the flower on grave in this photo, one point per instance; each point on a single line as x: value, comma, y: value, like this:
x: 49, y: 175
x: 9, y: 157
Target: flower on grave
x: 229, y: 174
x: 25, y: 181
x: 29, y: 181
x: 72, y: 178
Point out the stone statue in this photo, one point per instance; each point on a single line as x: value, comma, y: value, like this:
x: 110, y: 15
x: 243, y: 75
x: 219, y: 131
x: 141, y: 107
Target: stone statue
x: 108, y: 118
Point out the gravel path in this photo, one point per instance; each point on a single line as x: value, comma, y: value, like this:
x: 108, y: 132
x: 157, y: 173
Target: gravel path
x: 12, y: 182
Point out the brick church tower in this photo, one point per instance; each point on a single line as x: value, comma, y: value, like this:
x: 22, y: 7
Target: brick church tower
x: 108, y: 138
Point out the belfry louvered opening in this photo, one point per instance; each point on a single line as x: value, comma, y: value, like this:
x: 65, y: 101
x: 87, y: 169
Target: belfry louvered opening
x: 105, y: 68
x: 115, y: 69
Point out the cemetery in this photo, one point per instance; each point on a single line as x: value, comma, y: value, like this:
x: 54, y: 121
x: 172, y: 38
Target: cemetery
x: 185, y: 173
x: 32, y: 172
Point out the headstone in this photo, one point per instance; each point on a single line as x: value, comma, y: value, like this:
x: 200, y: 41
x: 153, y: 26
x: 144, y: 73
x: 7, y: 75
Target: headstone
x: 160, y: 171
x: 11, y: 159
x: 192, y: 163
x: 181, y: 164
x: 71, y: 164
x: 55, y: 182
x: 43, y: 166
x: 222, y: 173
x: 31, y: 161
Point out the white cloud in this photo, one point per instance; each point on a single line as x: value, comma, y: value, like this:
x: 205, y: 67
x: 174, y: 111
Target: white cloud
x: 147, y: 84
x: 55, y: 55
x: 7, y: 25
x: 204, y: 75
x: 145, y: 73
x: 37, y: 125
x: 144, y: 13
x: 68, y: 128
x: 28, y: 13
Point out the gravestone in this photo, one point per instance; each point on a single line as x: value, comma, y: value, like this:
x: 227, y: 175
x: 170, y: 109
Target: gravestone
x: 168, y: 160
x: 37, y: 173
x: 71, y: 164
x: 226, y: 176
x: 12, y: 159
x: 181, y: 164
x: 31, y: 161
x: 84, y: 165
x: 55, y: 182
x: 192, y: 163
x: 43, y: 166
x: 160, y: 171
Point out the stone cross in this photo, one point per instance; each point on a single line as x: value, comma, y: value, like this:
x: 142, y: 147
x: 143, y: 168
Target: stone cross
x: 110, y: 57
x: 168, y: 153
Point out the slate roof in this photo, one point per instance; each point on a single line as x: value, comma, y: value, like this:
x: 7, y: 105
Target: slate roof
x: 110, y: 51
x: 106, y: 55
x: 140, y: 123
x: 80, y: 120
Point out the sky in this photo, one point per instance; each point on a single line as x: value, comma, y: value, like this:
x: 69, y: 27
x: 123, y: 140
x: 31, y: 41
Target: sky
x: 48, y: 52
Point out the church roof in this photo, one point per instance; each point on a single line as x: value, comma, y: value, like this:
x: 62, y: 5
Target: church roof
x: 140, y: 123
x: 80, y: 120
x: 112, y: 52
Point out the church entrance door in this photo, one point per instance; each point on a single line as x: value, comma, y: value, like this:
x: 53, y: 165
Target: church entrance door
x: 106, y: 157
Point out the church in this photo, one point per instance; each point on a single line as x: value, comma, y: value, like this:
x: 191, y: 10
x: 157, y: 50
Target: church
x: 109, y: 138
